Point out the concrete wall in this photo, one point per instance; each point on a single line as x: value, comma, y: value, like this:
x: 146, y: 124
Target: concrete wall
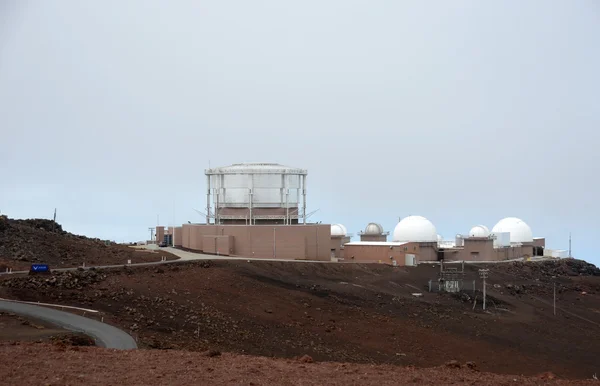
x: 218, y: 245
x: 301, y: 242
x: 178, y: 237
x: 245, y: 212
x: 508, y: 253
x: 337, y: 246
x: 373, y: 238
x: 160, y: 234
x: 478, y: 249
x: 482, y: 249
x: 428, y: 251
x: 380, y: 253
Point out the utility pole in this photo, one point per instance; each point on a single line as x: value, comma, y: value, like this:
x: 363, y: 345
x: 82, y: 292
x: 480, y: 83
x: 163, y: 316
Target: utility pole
x: 151, y: 234
x: 570, y: 244
x: 554, y: 299
x: 484, y: 274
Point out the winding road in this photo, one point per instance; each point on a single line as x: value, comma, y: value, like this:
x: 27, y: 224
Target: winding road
x: 104, y: 334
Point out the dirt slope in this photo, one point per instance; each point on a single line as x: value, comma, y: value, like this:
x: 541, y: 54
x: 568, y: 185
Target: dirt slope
x: 23, y: 242
x: 37, y: 364
x: 343, y: 312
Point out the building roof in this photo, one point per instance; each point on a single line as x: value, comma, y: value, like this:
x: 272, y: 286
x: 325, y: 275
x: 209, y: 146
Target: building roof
x: 255, y: 168
x: 479, y: 231
x: 373, y: 229
x: 415, y: 228
x: 519, y: 231
x: 338, y: 230
x: 378, y: 243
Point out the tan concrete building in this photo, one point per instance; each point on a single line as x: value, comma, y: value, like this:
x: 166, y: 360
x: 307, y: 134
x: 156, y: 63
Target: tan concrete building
x: 394, y: 253
x: 339, y: 237
x: 294, y: 242
x: 160, y: 234
x: 338, y: 245
x: 483, y: 249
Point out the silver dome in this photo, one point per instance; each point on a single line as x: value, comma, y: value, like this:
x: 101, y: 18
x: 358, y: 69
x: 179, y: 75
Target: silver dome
x: 373, y: 229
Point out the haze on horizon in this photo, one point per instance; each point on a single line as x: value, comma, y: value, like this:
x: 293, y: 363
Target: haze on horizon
x: 464, y: 112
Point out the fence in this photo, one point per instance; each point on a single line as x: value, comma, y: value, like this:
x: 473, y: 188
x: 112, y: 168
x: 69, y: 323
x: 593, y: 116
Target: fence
x: 437, y: 285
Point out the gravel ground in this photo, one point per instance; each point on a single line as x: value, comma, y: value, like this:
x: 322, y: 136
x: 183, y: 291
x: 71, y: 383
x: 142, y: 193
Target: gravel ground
x: 337, y: 313
x: 42, y: 364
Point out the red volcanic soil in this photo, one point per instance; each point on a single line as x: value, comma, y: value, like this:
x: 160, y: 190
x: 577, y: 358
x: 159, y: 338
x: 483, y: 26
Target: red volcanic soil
x: 359, y: 313
x: 42, y: 364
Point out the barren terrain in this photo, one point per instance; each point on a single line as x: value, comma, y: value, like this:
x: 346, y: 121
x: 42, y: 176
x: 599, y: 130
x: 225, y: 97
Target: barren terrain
x: 94, y: 366
x: 343, y: 312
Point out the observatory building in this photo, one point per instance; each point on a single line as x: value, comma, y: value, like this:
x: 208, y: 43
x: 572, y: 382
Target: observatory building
x: 256, y: 210
x: 373, y: 247
x: 510, y: 238
x: 373, y: 232
x: 255, y: 193
x: 419, y: 230
x: 339, y: 237
x: 415, y: 238
x: 259, y: 210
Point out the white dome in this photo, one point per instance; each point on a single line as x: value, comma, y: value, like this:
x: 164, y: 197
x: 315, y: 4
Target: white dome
x: 479, y: 231
x: 519, y: 231
x: 415, y: 228
x: 338, y: 230
x: 373, y: 229
x: 440, y: 238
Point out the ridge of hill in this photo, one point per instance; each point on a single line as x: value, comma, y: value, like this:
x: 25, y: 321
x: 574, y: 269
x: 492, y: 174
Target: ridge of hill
x: 23, y: 242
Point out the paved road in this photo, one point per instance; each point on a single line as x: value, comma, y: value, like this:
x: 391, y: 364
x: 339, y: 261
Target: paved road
x: 188, y: 256
x: 105, y: 335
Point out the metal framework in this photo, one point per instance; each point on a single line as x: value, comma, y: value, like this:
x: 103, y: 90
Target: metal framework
x: 451, y: 279
x: 218, y: 189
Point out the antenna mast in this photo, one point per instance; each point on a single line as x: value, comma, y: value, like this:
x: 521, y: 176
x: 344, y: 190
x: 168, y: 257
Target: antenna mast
x: 570, y: 244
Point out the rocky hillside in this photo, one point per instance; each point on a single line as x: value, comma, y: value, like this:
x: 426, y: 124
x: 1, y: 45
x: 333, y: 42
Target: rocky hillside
x: 550, y: 268
x: 365, y: 313
x: 23, y: 242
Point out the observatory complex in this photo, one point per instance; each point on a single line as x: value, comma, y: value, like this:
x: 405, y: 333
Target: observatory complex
x: 259, y: 210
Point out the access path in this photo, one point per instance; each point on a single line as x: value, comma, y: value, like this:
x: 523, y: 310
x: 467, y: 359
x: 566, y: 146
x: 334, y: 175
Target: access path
x: 104, y: 334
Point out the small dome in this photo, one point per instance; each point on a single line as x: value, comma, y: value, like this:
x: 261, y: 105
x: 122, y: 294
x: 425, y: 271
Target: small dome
x: 373, y: 229
x: 440, y: 238
x: 519, y: 231
x: 338, y: 230
x: 479, y: 231
x: 415, y: 228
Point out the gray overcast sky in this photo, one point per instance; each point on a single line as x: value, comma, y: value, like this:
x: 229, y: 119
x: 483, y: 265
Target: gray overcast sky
x: 461, y: 111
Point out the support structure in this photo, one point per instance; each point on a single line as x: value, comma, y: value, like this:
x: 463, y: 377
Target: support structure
x: 554, y: 303
x: 207, y: 199
x: 304, y: 199
x: 484, y: 275
x: 256, y: 193
x: 151, y: 234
